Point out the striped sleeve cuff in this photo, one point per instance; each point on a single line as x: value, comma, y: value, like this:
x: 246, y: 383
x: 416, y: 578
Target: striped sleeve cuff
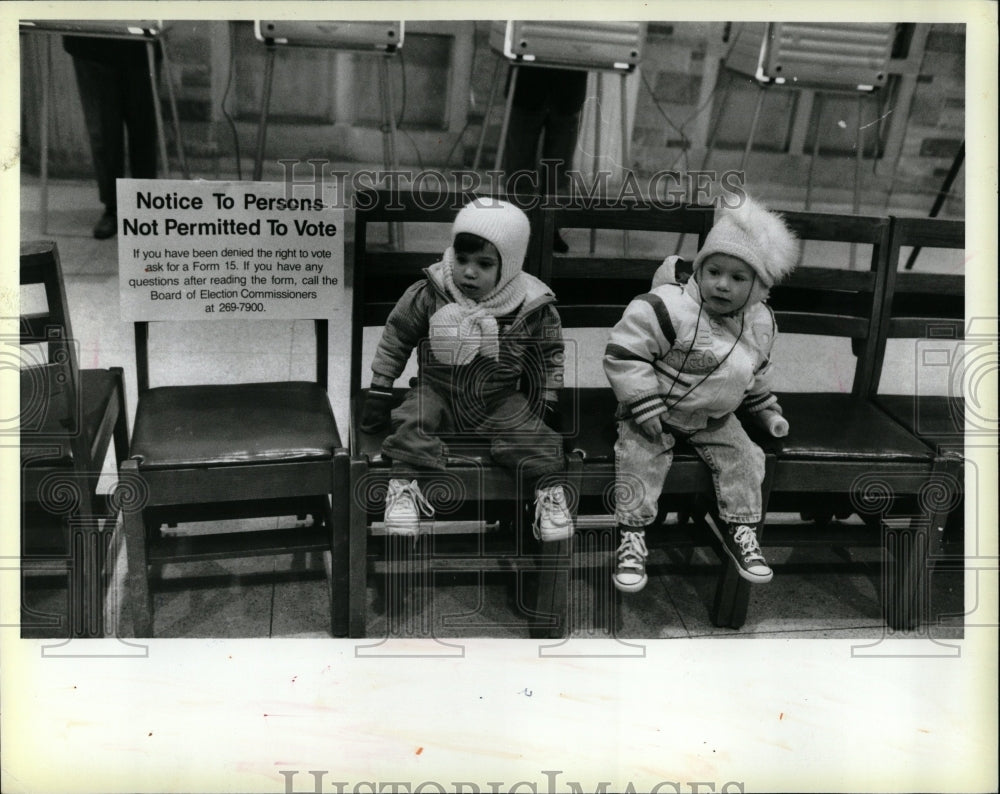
x: 647, y: 407
x: 756, y: 403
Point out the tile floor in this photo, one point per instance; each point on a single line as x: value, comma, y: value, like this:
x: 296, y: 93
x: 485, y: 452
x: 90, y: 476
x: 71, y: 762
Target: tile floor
x: 817, y: 592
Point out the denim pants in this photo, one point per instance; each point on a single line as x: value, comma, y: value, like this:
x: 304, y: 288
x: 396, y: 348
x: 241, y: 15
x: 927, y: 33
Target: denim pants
x: 641, y: 467
x: 518, y: 439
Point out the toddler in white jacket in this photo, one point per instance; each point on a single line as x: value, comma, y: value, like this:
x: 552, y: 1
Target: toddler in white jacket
x: 681, y: 360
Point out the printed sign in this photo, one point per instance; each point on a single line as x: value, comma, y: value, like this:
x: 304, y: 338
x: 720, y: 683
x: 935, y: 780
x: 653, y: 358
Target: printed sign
x: 197, y: 250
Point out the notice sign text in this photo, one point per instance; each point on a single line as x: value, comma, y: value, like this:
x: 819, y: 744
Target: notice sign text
x: 197, y: 250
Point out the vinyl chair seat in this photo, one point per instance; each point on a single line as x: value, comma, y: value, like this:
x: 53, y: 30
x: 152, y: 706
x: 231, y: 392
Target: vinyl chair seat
x: 938, y: 420
x: 839, y: 427
x: 97, y: 392
x: 192, y: 426
x: 588, y: 416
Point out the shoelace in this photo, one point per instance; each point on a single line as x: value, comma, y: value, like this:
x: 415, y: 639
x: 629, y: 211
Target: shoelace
x: 747, y: 539
x: 545, y: 499
x: 632, y: 551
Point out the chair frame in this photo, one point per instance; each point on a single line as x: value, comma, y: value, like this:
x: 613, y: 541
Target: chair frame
x: 551, y: 560
x: 86, y: 556
x: 158, y: 496
x: 797, y: 478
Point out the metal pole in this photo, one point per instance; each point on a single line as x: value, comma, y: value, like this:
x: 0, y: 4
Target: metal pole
x: 173, y: 107
x: 258, y: 165
x: 626, y: 155
x: 160, y: 128
x: 486, y: 115
x: 859, y: 156
x: 502, y: 146
x: 753, y: 130
x: 43, y: 198
x: 942, y: 196
x: 389, y: 140
x: 596, y: 158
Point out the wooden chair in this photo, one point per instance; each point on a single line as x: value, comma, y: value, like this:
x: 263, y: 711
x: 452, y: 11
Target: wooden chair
x: 69, y: 419
x: 234, y: 451
x: 930, y: 308
x: 844, y: 454
x: 481, y: 526
x: 924, y: 306
x: 593, y: 291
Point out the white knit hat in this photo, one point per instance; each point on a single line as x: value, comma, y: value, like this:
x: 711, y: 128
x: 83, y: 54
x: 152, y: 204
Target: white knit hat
x: 502, y: 224
x: 756, y: 236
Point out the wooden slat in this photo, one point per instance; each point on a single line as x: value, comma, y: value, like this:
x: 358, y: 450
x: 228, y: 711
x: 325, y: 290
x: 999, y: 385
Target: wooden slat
x: 791, y: 322
x: 919, y: 327
x: 641, y: 216
x: 190, y: 548
x: 579, y: 267
x: 399, y: 263
x: 836, y: 228
x: 829, y: 278
x: 929, y: 233
x: 929, y: 284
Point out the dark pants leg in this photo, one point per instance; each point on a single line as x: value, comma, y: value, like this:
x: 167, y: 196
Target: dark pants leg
x: 415, y: 424
x: 114, y: 98
x: 521, y: 441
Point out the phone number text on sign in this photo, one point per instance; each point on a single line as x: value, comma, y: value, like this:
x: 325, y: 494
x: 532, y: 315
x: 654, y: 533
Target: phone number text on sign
x: 200, y: 250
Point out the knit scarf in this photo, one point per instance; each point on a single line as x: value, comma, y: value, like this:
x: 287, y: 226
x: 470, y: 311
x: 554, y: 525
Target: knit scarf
x: 460, y: 330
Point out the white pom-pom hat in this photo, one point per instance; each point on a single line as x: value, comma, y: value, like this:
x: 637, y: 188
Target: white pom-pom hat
x: 755, y: 235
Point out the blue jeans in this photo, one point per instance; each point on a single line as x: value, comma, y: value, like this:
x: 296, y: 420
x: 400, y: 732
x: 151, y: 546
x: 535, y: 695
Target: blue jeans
x: 641, y: 467
x: 518, y: 439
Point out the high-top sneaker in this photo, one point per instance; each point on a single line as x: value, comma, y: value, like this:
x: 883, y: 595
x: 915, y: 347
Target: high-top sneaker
x: 630, y: 573
x: 740, y: 543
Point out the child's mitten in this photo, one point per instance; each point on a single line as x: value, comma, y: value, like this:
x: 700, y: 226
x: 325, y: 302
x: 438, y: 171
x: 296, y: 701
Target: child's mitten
x: 772, y: 421
x: 378, y: 405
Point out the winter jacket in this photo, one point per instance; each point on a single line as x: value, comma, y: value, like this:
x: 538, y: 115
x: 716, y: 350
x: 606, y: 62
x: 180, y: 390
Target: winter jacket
x: 531, y: 344
x: 668, y: 355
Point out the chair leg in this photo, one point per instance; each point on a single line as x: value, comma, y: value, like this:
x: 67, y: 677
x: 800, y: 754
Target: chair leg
x: 550, y: 612
x: 357, y: 573
x: 121, y: 441
x: 905, y: 575
x: 137, y: 584
x: 732, y: 597
x: 338, y: 525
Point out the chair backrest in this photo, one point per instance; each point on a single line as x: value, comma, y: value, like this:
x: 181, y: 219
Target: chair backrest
x: 593, y: 290
x: 825, y: 297
x: 50, y: 378
x: 920, y: 305
x: 322, y: 346
x: 382, y: 274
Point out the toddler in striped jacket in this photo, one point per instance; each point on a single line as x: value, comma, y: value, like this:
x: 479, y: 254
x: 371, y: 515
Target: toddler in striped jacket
x: 681, y: 361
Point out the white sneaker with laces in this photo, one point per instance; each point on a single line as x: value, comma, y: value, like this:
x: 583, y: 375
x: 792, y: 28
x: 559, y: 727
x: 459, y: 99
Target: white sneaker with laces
x: 630, y: 574
x: 403, y: 506
x: 552, y: 518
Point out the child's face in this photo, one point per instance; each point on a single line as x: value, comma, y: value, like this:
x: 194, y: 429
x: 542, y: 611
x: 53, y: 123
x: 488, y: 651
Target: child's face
x: 725, y: 283
x: 476, y: 272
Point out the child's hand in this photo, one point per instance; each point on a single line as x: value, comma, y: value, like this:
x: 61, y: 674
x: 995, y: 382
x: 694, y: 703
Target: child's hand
x: 378, y: 405
x: 653, y: 427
